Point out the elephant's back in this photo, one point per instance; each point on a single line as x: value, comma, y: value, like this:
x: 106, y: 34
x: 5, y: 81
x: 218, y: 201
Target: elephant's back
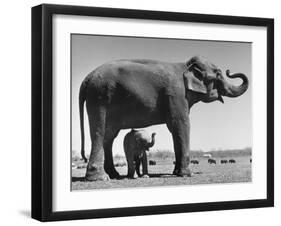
x: 142, y: 135
x: 139, y: 136
x: 132, y: 83
x: 134, y: 73
x: 126, y: 67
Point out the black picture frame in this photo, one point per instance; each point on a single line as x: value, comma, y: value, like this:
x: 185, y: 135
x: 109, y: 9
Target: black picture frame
x: 42, y: 111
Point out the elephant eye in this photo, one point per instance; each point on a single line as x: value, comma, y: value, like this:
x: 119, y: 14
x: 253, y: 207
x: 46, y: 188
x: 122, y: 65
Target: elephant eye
x: 217, y: 71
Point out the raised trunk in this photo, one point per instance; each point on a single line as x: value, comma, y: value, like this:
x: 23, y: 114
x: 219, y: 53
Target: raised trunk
x: 149, y: 145
x: 230, y: 90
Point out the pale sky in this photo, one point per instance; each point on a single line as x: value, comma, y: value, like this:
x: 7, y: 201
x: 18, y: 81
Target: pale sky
x: 213, y: 125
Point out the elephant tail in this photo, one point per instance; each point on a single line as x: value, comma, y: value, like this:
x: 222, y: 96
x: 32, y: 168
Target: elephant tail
x: 82, y: 98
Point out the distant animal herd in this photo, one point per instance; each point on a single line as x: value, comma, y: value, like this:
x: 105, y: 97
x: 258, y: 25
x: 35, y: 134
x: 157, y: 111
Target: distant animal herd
x: 214, y: 161
x: 153, y: 162
x: 194, y: 161
x: 223, y: 161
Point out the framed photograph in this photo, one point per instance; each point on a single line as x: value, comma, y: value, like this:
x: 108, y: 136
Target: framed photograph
x: 146, y: 112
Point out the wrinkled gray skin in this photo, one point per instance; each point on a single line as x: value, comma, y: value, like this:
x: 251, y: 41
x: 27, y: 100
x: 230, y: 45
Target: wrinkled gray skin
x: 127, y: 94
x: 136, y: 143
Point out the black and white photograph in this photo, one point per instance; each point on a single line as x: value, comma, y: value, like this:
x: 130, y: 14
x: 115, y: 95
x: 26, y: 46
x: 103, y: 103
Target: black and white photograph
x: 138, y: 113
x: 141, y: 112
x: 159, y: 112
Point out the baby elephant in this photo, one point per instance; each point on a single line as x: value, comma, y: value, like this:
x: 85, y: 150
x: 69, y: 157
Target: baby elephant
x: 136, y: 143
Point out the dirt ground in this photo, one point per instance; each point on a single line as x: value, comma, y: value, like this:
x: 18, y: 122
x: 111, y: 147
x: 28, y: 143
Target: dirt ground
x: 161, y: 175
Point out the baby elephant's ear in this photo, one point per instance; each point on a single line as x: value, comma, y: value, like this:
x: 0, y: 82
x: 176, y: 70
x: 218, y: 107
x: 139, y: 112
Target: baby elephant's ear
x: 194, y: 83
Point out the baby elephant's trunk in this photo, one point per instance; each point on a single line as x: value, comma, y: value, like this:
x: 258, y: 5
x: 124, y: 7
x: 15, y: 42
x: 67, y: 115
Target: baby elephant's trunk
x: 152, y: 140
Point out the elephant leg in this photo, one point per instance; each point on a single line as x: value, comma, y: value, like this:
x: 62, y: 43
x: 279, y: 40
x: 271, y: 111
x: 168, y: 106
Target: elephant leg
x: 180, y: 133
x: 177, y: 157
x: 95, y: 169
x: 131, y: 167
x: 144, y: 165
x: 108, y: 161
x: 179, y: 126
x: 137, y: 166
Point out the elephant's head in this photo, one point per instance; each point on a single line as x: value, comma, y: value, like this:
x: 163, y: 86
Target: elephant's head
x: 207, y: 80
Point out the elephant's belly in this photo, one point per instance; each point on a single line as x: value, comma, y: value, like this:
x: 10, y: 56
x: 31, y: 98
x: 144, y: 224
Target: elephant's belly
x: 135, y: 118
x: 136, y: 109
x: 139, y: 123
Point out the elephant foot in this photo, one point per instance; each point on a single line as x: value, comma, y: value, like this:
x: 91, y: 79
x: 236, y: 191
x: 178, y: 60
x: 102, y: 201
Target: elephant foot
x: 85, y: 160
x: 98, y: 177
x: 132, y: 176
x: 145, y: 176
x: 113, y: 174
x: 182, y: 172
x: 95, y: 174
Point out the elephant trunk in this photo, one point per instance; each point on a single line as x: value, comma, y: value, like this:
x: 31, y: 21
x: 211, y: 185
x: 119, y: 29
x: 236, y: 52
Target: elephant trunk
x: 230, y: 90
x: 149, y: 145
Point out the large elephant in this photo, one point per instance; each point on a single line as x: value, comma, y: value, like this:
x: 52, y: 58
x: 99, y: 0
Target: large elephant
x: 127, y: 94
x: 136, y: 143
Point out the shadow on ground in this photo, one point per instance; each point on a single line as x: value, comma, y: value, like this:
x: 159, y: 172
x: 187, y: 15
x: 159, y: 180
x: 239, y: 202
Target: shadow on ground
x: 155, y: 175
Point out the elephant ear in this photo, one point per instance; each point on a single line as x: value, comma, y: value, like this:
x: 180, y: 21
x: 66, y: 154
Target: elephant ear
x: 194, y: 82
